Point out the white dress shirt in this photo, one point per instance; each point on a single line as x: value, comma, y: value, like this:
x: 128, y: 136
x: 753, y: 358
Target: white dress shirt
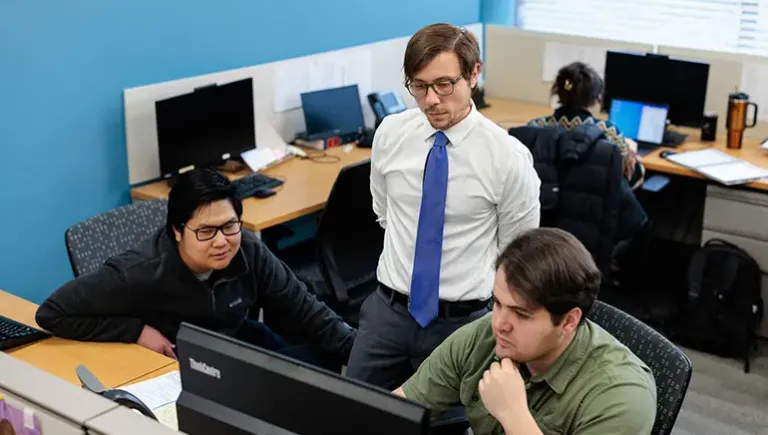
x: 493, y: 195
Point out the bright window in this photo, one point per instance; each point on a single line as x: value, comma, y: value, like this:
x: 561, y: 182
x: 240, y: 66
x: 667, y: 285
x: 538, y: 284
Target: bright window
x: 720, y: 25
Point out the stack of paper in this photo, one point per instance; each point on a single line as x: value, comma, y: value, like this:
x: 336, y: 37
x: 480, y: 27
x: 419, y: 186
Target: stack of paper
x: 160, y: 395
x: 167, y: 416
x: 259, y: 158
x: 719, y: 166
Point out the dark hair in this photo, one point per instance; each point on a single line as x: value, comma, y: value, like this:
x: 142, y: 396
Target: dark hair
x: 551, y: 268
x: 194, y: 189
x: 578, y: 86
x: 430, y: 41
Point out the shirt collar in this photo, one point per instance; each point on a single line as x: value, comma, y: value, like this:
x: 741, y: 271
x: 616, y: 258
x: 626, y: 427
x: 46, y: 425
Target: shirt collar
x: 458, y: 132
x: 571, y: 112
x: 562, y: 372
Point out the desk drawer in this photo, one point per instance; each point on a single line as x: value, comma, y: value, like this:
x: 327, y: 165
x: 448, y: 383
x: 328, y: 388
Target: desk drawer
x: 739, y: 212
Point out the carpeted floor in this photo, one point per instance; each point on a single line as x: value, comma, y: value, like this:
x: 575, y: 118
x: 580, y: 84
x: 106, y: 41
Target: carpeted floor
x: 722, y: 399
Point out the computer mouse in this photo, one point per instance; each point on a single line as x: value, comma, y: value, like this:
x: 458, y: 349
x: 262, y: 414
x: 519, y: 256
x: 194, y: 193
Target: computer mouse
x: 263, y: 193
x: 666, y: 153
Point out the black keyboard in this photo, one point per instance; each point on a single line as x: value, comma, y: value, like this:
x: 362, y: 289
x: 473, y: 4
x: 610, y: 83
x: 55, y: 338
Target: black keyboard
x: 248, y: 185
x: 673, y: 138
x: 13, y: 334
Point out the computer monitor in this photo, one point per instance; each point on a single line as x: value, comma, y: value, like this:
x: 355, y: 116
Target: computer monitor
x: 679, y: 84
x: 230, y: 387
x: 206, y: 126
x: 336, y: 111
x: 643, y: 122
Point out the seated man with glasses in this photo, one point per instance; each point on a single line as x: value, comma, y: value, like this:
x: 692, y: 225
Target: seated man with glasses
x: 202, y: 269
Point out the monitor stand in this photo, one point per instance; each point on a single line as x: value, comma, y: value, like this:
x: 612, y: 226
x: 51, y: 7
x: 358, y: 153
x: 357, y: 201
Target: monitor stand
x: 232, y: 165
x: 172, y: 180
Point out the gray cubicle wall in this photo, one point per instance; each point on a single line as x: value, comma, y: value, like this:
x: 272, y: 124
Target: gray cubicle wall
x: 514, y: 60
x: 66, y: 409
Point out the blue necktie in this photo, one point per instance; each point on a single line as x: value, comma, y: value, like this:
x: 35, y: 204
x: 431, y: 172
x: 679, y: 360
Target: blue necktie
x: 425, y: 281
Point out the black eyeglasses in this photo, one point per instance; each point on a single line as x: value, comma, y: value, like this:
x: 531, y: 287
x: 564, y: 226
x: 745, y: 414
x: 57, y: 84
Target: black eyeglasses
x: 204, y: 234
x: 442, y: 88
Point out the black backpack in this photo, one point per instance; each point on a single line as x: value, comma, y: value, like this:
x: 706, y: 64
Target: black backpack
x: 723, y: 307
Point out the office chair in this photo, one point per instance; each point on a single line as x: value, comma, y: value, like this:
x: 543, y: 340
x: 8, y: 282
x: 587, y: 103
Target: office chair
x: 350, y: 241
x: 341, y: 267
x: 91, y: 242
x: 670, y: 366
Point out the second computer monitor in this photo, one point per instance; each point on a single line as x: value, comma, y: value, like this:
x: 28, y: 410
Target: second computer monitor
x: 679, y: 84
x: 205, y: 126
x: 232, y: 388
x: 336, y: 111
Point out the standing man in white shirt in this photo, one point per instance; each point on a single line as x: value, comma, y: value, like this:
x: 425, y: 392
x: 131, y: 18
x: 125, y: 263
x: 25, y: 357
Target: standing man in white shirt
x: 451, y: 189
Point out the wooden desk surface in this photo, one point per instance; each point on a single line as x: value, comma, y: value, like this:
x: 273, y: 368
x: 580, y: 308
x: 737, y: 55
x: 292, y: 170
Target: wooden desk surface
x: 18, y: 309
x: 306, y: 189
x: 510, y: 114
x: 113, y: 363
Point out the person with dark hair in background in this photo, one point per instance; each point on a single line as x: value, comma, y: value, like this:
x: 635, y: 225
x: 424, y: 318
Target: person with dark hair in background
x: 578, y: 87
x: 202, y: 269
x: 536, y: 364
x: 450, y: 188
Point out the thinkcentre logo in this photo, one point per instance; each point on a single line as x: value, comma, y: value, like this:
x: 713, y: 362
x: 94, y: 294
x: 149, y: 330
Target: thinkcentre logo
x: 204, y: 368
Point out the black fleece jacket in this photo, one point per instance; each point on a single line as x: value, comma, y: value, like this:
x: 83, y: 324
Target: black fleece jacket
x: 151, y: 285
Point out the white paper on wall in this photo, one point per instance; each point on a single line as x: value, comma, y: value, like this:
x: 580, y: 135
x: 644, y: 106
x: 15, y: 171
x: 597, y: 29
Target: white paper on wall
x: 358, y: 71
x: 314, y: 73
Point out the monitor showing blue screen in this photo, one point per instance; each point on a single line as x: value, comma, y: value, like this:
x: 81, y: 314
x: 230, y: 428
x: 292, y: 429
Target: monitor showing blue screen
x: 333, y: 110
x: 642, y: 122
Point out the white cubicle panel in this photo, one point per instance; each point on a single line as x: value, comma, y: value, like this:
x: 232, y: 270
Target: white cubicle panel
x: 62, y: 408
x: 65, y: 409
x: 374, y: 67
x: 51, y: 423
x: 514, y: 61
x: 123, y: 421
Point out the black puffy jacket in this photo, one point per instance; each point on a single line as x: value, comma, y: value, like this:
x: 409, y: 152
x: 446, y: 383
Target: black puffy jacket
x: 583, y: 190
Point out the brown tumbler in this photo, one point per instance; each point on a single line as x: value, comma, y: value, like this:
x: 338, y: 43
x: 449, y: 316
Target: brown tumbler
x: 736, y: 122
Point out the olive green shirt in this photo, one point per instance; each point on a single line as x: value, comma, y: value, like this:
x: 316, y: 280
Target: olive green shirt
x: 597, y: 386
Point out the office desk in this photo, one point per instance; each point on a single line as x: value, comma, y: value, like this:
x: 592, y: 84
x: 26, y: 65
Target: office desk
x: 306, y: 189
x: 510, y: 114
x: 18, y: 309
x: 113, y: 363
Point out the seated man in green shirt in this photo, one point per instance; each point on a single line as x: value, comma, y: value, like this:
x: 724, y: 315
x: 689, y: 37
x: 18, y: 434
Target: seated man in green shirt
x: 535, y: 364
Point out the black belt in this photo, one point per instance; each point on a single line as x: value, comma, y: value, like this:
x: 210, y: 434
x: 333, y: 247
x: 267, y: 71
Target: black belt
x: 445, y: 309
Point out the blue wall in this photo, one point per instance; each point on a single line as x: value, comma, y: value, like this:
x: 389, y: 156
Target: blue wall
x: 503, y: 12
x: 64, y: 64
